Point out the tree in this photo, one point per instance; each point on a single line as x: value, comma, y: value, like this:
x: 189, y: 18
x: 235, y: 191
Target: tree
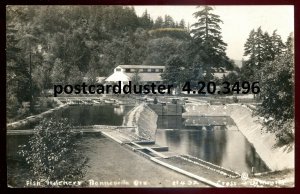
x: 52, y: 152
x: 145, y: 21
x: 58, y: 72
x: 277, y: 44
x: 175, y: 71
x: 140, y: 41
x: 160, y: 49
x: 169, y: 22
x: 136, y: 78
x: 17, y: 74
x: 77, y: 52
x: 76, y: 76
x: 175, y: 33
x: 182, y: 23
x: 277, y: 95
x: 158, y: 22
x: 207, y: 41
x: 260, y: 48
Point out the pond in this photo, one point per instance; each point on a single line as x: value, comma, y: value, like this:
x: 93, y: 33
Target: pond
x: 95, y: 115
x: 83, y: 115
x: 216, y: 144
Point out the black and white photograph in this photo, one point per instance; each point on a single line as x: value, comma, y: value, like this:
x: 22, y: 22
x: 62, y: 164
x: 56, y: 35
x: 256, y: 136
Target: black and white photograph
x: 150, y: 96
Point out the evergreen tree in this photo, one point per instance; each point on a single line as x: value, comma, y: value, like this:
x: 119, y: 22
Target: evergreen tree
x: 268, y: 54
x: 260, y: 48
x: 145, y: 21
x: 159, y: 22
x: 58, y: 72
x: 175, y: 70
x: 15, y: 72
x: 207, y: 40
x: 169, y: 22
x: 182, y: 23
x: 277, y: 95
x: 277, y: 44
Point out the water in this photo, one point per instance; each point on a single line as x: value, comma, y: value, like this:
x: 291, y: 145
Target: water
x: 17, y: 170
x: 227, y: 148
x: 82, y: 115
x: 95, y: 115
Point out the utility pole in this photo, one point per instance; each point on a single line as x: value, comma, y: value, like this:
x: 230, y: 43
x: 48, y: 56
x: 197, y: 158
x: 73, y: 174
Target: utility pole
x: 30, y: 84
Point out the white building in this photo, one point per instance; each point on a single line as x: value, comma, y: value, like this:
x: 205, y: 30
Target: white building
x: 148, y: 74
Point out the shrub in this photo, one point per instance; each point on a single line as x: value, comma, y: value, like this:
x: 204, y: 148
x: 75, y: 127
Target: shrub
x: 235, y: 99
x: 12, y: 106
x: 155, y: 101
x: 174, y: 101
x: 51, y: 152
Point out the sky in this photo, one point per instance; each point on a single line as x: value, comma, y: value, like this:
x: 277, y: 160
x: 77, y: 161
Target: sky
x: 238, y: 21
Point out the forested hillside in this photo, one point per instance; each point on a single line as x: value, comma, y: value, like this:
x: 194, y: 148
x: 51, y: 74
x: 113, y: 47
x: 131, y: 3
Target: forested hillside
x: 63, y: 44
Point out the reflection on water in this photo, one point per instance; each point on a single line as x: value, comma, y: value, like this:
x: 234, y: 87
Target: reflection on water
x: 119, y: 110
x: 227, y: 148
x: 95, y: 115
x: 82, y: 115
x: 17, y: 168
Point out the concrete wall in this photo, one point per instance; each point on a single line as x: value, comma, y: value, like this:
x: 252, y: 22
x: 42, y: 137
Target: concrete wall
x: 144, y: 118
x: 33, y: 119
x: 167, y: 110
x: 276, y: 158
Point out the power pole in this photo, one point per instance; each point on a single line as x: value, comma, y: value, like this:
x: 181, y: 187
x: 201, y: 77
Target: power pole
x: 30, y: 84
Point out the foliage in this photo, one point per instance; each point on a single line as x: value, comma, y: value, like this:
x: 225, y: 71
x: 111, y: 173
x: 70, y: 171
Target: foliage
x: 136, y: 78
x: 17, y: 73
x: 167, y: 22
x: 232, y: 77
x: 175, y: 72
x: 235, y: 99
x: 178, y: 33
x: 155, y: 101
x: 260, y: 48
x: 207, y: 47
x: 58, y: 72
x: 12, y: 104
x: 160, y: 49
x: 277, y: 95
x: 52, y: 152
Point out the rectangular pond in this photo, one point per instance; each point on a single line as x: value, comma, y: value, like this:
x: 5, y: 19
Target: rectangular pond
x: 217, y: 144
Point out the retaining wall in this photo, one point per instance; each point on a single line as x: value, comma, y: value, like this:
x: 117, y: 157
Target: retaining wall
x: 32, y: 119
x: 167, y: 110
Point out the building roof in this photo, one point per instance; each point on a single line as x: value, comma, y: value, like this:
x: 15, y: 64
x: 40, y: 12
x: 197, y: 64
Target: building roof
x: 147, y: 77
x: 100, y: 79
x: 142, y: 66
x: 220, y: 75
x: 117, y: 76
x: 127, y: 76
